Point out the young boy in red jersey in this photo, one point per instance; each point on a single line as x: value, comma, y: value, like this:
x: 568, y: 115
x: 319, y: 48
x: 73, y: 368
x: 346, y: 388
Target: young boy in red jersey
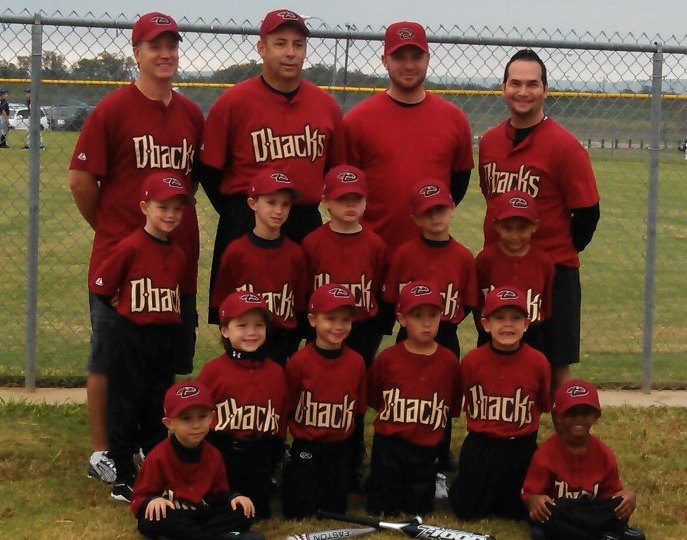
x: 572, y: 490
x: 141, y: 278
x: 506, y: 387
x: 181, y: 491
x: 250, y: 396
x: 437, y: 257
x: 267, y: 263
x: 514, y: 261
x: 415, y: 387
x: 327, y: 386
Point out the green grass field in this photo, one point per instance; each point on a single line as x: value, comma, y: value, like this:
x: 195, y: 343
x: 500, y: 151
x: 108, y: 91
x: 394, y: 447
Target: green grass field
x: 612, y: 271
x: 45, y: 494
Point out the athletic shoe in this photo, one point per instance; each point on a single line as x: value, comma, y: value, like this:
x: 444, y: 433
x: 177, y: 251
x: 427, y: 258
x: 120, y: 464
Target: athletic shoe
x: 441, y: 490
x: 100, y: 466
x: 123, y: 491
x: 627, y: 534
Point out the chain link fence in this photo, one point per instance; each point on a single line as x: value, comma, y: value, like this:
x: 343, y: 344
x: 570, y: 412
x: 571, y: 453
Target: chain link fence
x: 600, y: 87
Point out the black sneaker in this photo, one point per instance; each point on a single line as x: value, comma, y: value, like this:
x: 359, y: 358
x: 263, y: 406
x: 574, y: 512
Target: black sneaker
x: 627, y: 534
x: 123, y: 491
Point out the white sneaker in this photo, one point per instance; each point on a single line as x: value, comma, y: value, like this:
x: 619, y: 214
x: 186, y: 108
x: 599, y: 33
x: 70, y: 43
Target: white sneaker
x: 100, y: 466
x: 441, y: 490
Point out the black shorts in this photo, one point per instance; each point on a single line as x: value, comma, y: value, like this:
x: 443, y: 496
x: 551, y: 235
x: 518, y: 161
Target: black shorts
x: 562, y: 329
x: 490, y: 476
x: 582, y: 519
x: 216, y: 521
x: 402, y: 477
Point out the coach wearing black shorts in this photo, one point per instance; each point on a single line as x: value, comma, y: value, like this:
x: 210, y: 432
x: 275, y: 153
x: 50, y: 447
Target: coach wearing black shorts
x: 532, y: 153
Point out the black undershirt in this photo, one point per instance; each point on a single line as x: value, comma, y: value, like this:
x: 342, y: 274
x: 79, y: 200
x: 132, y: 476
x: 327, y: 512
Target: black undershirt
x: 288, y: 95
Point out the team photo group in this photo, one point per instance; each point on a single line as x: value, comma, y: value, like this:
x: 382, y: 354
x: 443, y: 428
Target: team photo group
x: 276, y: 423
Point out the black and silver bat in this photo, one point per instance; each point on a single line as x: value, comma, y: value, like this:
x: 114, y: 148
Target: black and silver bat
x: 414, y: 528
x: 333, y: 534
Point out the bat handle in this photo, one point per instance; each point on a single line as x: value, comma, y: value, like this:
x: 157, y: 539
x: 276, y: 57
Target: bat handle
x: 323, y: 514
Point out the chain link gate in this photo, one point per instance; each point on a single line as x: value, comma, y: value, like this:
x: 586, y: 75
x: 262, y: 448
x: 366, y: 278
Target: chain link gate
x: 599, y: 87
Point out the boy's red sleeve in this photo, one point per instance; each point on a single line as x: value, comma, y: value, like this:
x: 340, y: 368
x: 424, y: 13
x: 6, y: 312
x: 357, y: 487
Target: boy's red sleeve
x: 538, y: 480
x: 374, y: 391
x: 223, y: 281
x: 457, y: 390
x: 109, y: 275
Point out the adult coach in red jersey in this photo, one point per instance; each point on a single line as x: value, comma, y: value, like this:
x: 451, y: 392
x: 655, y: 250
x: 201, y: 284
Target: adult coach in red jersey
x: 405, y: 134
x: 532, y: 153
x: 132, y: 132
x: 275, y: 121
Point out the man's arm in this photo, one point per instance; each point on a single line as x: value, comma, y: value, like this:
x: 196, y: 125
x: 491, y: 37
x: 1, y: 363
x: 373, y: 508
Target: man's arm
x: 86, y: 192
x: 582, y: 225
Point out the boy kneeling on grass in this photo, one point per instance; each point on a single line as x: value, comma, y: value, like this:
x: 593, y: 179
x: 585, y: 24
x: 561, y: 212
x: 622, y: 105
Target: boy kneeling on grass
x: 181, y: 490
x: 572, y: 490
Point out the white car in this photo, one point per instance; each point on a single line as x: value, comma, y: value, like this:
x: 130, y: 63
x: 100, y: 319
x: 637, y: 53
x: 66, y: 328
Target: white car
x: 19, y: 118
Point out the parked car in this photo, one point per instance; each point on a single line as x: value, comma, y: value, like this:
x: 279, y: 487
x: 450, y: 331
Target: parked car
x: 69, y: 117
x: 19, y: 118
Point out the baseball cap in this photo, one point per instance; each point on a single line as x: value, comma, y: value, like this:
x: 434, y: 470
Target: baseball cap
x: 185, y: 394
x: 344, y: 179
x: 419, y: 293
x: 269, y: 182
x: 329, y: 297
x: 427, y: 194
x: 274, y: 19
x: 504, y: 297
x: 164, y: 185
x: 575, y: 392
x: 151, y: 25
x: 516, y: 204
x: 240, y: 302
x: 403, y: 33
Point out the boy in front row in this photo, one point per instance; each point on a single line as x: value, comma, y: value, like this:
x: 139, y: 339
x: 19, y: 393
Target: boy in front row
x: 572, y: 490
x: 415, y: 387
x: 506, y: 386
x: 181, y: 491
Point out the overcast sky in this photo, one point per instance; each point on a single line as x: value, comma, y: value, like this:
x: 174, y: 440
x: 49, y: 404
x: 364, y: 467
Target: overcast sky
x: 665, y: 17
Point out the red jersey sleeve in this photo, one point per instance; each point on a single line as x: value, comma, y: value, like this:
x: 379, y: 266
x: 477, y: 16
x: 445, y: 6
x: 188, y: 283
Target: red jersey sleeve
x: 224, y: 282
x: 108, y: 277
x: 457, y: 390
x: 91, y: 150
x: 576, y: 181
x: 539, y: 478
x: 374, y: 382
x: 213, y: 150
x: 336, y: 152
x: 463, y: 160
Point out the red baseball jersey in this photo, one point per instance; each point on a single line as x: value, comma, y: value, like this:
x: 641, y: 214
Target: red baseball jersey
x: 532, y: 273
x: 414, y: 394
x: 562, y: 474
x: 357, y: 261
x: 146, y: 272
x: 449, y: 265
x: 505, y: 392
x: 399, y: 145
x: 124, y: 139
x: 276, y: 270
x: 551, y: 166
x: 250, y: 396
x: 325, y: 394
x: 251, y: 128
x: 163, y: 471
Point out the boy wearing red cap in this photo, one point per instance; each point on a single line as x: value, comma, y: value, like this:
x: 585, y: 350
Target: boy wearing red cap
x: 142, y: 278
x: 415, y: 387
x: 266, y: 263
x: 327, y: 389
x: 506, y: 387
x: 513, y: 260
x: 181, y: 491
x: 250, y: 397
x: 436, y: 256
x: 572, y: 490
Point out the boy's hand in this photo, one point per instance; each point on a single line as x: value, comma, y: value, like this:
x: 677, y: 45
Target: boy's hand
x: 246, y: 504
x: 157, y: 509
x: 627, y: 505
x: 536, y: 506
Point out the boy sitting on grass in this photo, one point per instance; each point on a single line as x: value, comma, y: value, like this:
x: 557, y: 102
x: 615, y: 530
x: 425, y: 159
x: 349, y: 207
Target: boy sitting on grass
x: 572, y: 490
x: 181, y: 490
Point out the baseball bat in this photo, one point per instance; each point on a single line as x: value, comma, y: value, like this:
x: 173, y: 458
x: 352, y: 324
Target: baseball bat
x: 414, y: 528
x: 333, y: 534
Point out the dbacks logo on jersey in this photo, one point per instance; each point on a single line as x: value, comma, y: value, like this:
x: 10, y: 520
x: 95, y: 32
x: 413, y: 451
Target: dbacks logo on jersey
x: 232, y: 416
x: 533, y: 303
x: 268, y: 146
x: 524, y: 179
x: 362, y: 291
x: 146, y: 298
x: 151, y: 155
x: 279, y: 303
x: 405, y: 410
x: 318, y: 414
x: 563, y: 491
x: 516, y: 409
x: 450, y: 296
